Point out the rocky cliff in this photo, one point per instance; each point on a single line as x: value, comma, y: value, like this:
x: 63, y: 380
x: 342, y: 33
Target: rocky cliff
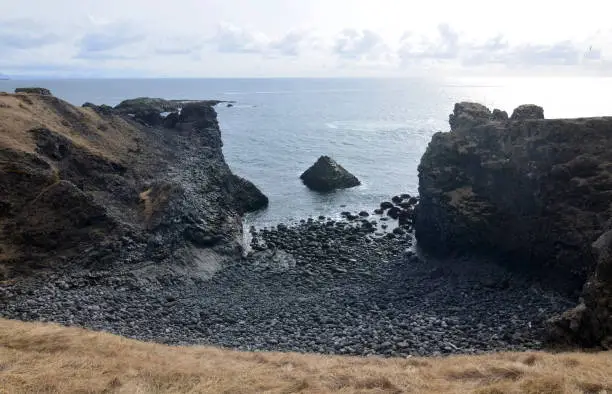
x: 534, y: 192
x: 97, y: 188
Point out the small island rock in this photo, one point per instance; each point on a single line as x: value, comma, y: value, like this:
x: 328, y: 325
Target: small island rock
x: 327, y: 175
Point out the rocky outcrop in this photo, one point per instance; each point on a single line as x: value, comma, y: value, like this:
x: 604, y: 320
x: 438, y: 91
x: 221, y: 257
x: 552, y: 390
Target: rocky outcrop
x: 466, y: 115
x: 41, y: 91
x: 533, y: 192
x: 327, y: 175
x: 527, y: 111
x: 92, y: 188
x: 590, y: 323
x: 150, y: 111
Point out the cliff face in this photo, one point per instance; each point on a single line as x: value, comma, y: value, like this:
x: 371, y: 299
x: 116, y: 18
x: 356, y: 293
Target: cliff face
x: 93, y: 188
x: 534, y: 192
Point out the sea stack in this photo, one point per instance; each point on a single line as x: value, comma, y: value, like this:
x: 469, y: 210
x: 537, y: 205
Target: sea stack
x: 326, y: 175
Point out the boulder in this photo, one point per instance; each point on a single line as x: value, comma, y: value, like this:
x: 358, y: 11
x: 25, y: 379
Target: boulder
x: 247, y: 197
x: 327, y: 175
x: 41, y: 91
x: 394, y: 212
x: 386, y: 205
x: 527, y: 111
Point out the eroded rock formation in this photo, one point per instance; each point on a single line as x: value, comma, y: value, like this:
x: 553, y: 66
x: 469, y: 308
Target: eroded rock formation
x: 92, y: 188
x: 534, y: 192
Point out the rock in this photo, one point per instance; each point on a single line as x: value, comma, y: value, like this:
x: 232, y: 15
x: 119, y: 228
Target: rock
x: 466, y: 115
x: 394, y: 212
x: 246, y: 196
x: 229, y: 105
x: 201, y: 236
x: 590, y: 323
x: 378, y: 211
x: 40, y: 91
x: 171, y: 120
x: 327, y: 175
x: 499, y: 115
x: 398, y: 231
x: 364, y: 214
x: 386, y: 205
x: 499, y: 207
x: 527, y: 111
x: 62, y: 216
x: 396, y: 200
x: 100, y: 109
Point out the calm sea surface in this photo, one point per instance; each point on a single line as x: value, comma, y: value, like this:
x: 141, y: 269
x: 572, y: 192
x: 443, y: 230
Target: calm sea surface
x: 376, y: 128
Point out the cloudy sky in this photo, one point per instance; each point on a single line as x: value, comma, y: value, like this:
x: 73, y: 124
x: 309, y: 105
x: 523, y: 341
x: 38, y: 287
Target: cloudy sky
x: 310, y: 38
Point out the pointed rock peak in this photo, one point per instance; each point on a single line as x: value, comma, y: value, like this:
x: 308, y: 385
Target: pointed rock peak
x: 327, y: 175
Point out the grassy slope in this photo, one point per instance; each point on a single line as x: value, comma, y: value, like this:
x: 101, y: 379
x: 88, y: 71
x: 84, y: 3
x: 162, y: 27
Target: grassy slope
x: 38, y: 357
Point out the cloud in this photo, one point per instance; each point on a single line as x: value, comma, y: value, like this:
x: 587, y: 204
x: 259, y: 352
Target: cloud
x: 107, y: 38
x: 289, y: 45
x: 446, y: 46
x: 236, y: 40
x: 359, y: 44
x: 451, y: 47
x: 25, y: 34
x: 178, y: 46
x: 233, y: 39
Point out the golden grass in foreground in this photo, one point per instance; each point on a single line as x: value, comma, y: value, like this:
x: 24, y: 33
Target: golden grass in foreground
x: 50, y: 358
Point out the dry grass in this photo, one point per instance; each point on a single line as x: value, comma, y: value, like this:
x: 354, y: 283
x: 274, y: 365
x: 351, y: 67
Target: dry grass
x: 47, y: 358
x: 107, y: 137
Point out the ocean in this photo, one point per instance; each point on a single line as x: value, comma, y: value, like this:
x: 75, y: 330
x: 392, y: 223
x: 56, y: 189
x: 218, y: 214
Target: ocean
x: 376, y: 128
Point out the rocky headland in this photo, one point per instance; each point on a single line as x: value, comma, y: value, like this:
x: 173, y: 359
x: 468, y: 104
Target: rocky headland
x: 128, y: 220
x: 531, y: 192
x: 93, y: 189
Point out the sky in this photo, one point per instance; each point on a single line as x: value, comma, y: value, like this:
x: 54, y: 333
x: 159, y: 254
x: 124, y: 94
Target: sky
x: 304, y: 38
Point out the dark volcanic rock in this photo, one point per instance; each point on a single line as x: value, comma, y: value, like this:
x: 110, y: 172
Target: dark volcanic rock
x: 527, y: 111
x: 499, y: 115
x: 60, y: 217
x: 468, y: 114
x: 104, y: 192
x: 327, y: 175
x: 246, y: 195
x: 171, y: 120
x: 146, y: 104
x: 100, y: 109
x: 590, y: 323
x: 534, y: 193
x: 41, y: 91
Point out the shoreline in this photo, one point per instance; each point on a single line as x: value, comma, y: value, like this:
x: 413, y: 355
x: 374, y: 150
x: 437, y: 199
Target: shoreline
x: 321, y: 286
